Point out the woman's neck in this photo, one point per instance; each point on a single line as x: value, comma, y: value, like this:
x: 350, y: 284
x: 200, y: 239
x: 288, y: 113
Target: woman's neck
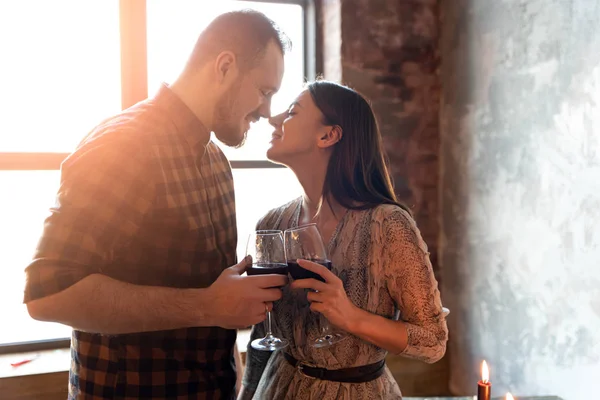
x: 314, y: 207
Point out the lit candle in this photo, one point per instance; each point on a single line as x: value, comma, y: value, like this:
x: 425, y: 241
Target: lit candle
x: 509, y: 397
x: 484, y: 387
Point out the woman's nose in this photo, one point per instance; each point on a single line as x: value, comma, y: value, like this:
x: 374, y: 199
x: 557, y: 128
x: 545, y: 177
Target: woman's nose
x: 276, y: 120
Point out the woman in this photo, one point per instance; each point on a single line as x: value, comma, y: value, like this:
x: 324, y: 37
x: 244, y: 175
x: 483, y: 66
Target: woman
x: 381, y: 291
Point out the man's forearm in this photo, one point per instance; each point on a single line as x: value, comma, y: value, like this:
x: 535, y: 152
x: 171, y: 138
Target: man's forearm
x: 104, y: 305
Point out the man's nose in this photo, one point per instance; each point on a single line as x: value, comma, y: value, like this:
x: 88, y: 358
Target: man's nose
x: 265, y: 109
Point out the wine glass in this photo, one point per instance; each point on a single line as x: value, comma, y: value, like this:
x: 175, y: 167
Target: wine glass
x: 268, y: 257
x: 305, y: 243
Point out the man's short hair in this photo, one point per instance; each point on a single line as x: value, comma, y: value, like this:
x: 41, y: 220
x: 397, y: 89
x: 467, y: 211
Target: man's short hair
x: 246, y: 33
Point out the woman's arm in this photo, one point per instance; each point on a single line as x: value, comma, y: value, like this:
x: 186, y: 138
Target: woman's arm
x: 413, y: 287
x: 422, y: 332
x: 333, y: 302
x: 256, y: 361
x: 382, y: 332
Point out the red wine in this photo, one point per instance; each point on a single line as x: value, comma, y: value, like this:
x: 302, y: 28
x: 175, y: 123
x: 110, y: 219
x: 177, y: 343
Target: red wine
x: 298, y: 272
x: 264, y: 269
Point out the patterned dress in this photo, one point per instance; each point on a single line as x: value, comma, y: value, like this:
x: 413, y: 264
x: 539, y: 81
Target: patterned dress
x: 384, y: 264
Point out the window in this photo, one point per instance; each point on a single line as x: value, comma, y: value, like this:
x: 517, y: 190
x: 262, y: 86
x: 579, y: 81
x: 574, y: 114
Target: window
x: 53, y: 63
x: 68, y: 68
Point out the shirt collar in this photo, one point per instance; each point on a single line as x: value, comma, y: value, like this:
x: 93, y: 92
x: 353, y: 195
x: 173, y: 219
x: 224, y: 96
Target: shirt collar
x: 185, y: 121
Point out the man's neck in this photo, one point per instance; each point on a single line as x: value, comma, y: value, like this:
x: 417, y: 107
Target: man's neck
x: 200, y: 102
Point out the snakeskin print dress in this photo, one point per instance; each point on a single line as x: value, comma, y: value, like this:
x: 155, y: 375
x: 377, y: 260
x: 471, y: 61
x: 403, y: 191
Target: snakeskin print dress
x: 384, y: 264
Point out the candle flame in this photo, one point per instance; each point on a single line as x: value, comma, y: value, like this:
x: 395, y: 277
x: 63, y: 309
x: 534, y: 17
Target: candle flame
x: 485, y: 372
x: 509, y: 397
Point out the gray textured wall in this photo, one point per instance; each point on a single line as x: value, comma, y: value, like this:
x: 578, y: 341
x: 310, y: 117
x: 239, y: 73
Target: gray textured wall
x: 520, y: 193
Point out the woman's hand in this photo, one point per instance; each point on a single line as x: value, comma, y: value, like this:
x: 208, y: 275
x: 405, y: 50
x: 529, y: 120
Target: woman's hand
x: 331, y: 299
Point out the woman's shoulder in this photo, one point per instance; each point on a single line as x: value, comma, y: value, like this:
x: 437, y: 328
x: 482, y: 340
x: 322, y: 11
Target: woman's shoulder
x: 271, y: 218
x: 391, y: 221
x: 393, y: 224
x: 392, y: 213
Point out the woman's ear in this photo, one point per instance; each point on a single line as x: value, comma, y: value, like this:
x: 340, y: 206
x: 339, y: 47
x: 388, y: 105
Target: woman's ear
x: 333, y: 135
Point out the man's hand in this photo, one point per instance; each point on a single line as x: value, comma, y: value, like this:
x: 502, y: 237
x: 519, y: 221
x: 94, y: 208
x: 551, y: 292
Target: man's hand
x: 101, y: 304
x: 237, y: 301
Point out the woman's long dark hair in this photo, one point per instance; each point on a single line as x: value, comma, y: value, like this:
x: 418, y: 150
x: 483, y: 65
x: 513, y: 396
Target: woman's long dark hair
x: 357, y: 175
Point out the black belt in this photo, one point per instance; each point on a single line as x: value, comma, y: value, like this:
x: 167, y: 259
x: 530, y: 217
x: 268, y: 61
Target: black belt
x: 360, y: 374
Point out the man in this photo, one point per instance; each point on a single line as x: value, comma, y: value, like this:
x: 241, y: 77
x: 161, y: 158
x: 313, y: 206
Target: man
x: 134, y: 255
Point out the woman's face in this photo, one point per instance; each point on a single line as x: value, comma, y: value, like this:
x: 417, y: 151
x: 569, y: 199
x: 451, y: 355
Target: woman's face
x: 297, y: 131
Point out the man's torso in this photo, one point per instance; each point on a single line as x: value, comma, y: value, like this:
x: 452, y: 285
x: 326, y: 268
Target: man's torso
x: 185, y: 241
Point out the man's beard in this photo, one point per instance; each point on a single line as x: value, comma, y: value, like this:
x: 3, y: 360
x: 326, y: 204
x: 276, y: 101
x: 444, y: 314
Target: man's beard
x: 227, y: 128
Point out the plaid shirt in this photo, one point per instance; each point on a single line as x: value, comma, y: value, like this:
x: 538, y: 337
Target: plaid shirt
x: 144, y: 201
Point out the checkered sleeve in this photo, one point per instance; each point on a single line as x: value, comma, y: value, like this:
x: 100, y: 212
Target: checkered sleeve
x: 105, y: 191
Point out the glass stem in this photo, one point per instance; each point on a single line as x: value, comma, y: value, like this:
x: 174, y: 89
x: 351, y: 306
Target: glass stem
x: 269, y: 332
x: 325, y: 326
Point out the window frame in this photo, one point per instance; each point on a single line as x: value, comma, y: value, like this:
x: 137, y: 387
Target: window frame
x: 134, y: 88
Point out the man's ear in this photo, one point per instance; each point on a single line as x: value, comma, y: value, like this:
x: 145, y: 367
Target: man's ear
x: 225, y: 66
x: 332, y: 135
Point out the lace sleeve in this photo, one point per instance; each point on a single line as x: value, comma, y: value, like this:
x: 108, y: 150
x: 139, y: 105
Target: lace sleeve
x: 412, y: 285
